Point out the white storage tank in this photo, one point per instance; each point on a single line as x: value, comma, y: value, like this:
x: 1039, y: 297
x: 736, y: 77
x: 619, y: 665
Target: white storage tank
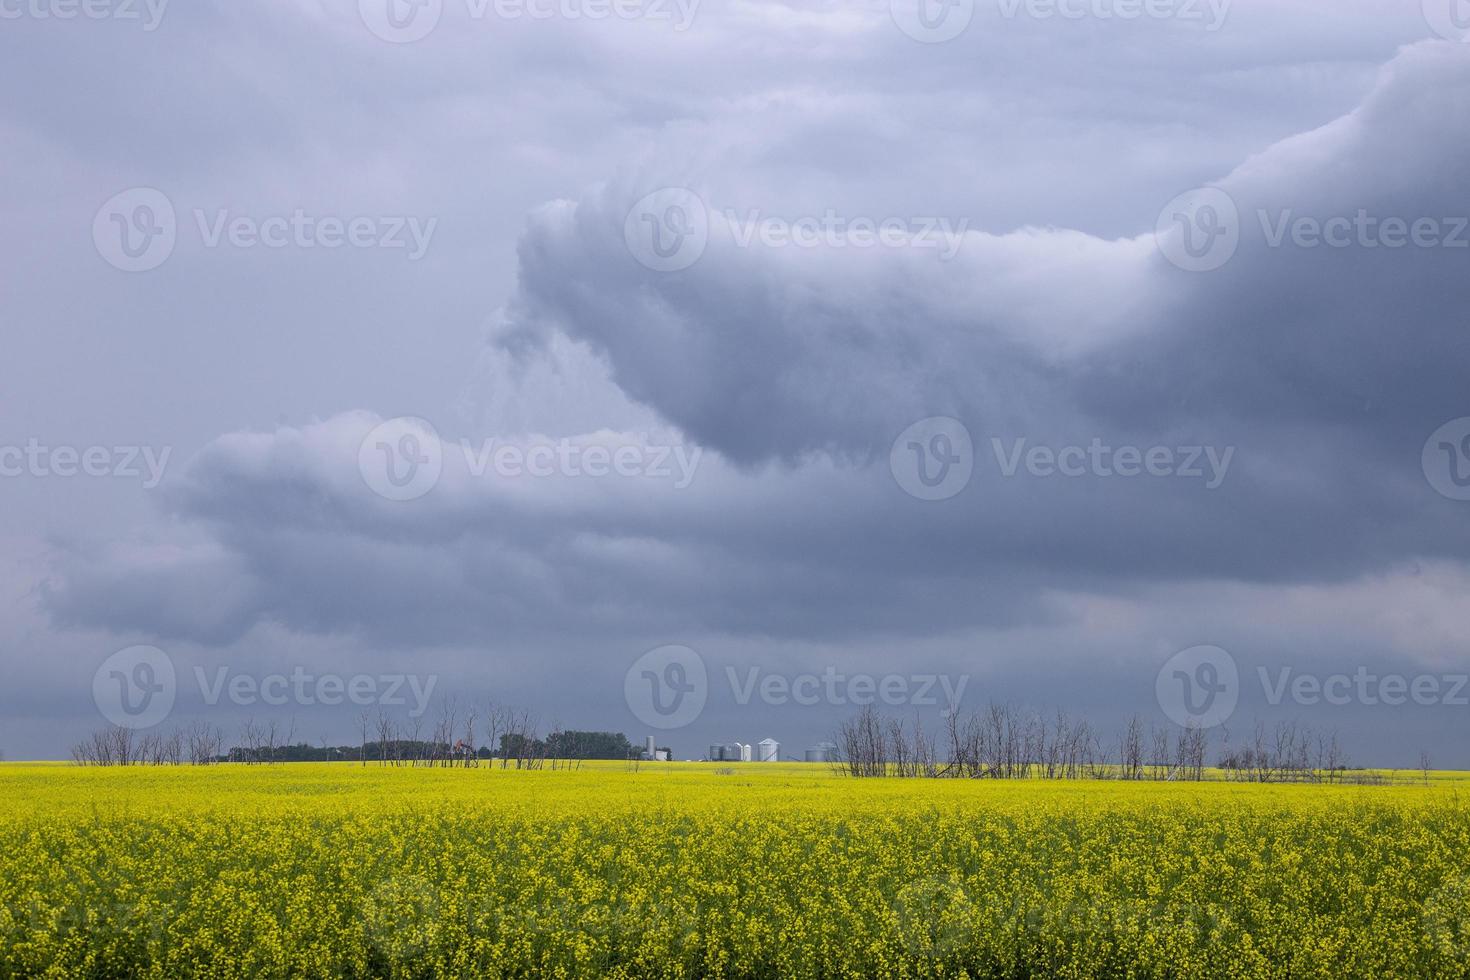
x: 770, y: 750
x: 745, y: 753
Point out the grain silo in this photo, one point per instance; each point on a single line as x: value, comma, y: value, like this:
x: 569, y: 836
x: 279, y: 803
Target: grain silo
x: 716, y: 753
x: 745, y: 753
x: 770, y: 750
x: 822, y: 752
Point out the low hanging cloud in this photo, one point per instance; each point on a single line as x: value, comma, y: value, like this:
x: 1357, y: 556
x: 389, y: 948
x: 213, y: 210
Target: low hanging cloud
x: 1301, y: 381
x: 774, y: 352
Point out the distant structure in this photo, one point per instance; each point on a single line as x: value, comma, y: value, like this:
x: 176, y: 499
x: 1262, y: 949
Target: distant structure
x: 767, y: 751
x: 652, y: 752
x: 730, y: 752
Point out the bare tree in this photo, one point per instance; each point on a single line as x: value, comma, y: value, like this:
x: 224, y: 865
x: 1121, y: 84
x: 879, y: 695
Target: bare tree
x: 111, y: 746
x: 252, y: 741
x: 495, y: 726
x: 1131, y: 748
x: 383, y: 725
x: 205, y: 742
x: 862, y: 747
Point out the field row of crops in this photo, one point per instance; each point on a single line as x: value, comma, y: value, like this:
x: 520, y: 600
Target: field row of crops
x: 328, y: 870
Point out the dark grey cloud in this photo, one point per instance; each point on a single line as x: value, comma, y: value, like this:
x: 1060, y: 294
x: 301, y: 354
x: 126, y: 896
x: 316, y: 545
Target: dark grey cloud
x: 796, y: 368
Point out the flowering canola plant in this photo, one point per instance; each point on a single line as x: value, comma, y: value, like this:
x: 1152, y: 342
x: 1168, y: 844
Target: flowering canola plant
x: 768, y: 870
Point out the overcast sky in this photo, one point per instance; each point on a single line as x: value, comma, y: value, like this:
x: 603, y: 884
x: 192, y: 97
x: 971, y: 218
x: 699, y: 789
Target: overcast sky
x: 1095, y: 353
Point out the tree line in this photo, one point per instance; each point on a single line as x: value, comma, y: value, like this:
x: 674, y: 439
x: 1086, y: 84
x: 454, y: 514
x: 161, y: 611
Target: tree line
x: 1004, y: 742
x: 461, y: 735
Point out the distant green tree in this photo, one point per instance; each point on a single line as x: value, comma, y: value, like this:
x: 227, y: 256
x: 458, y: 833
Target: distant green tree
x: 588, y: 745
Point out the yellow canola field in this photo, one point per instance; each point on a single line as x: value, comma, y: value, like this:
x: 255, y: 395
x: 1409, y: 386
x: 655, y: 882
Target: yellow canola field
x: 700, y: 871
